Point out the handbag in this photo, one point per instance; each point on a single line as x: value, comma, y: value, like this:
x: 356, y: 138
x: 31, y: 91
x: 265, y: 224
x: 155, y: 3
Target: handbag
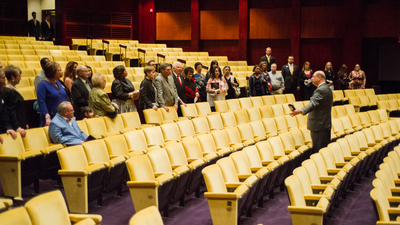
x: 237, y: 89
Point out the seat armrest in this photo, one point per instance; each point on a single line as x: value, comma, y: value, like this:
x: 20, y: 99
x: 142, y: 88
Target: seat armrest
x: 306, y: 210
x: 244, y: 176
x: 190, y: 160
x: 233, y: 184
x: 312, y: 197
x: 78, y: 217
x: 106, y: 164
x: 115, y: 156
x: 72, y: 173
x: 221, y: 196
x: 348, y: 158
x: 266, y: 162
x: 10, y: 158
x: 255, y: 169
x: 289, y: 151
x: 142, y: 184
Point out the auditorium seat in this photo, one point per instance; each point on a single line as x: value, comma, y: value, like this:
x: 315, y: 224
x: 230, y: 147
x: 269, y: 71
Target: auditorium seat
x: 97, y: 128
x: 189, y: 111
x: 233, y: 105
x: 194, y: 151
x: 225, y: 207
x: 277, y: 110
x: 203, y: 109
x: 147, y: 216
x: 171, y: 132
x: 257, y: 101
x: 145, y: 188
x: 208, y: 146
x: 154, y: 137
x: 14, y: 216
x: 235, y: 137
x: 171, y: 116
x: 201, y: 125
x: 215, y: 122
x: 270, y: 127
x: 136, y: 143
x: 82, y: 182
x: 266, y: 111
x: 245, y: 103
x: 221, y: 141
x: 153, y: 117
x: 186, y: 128
x: 253, y: 114
x: 241, y: 116
x: 280, y: 99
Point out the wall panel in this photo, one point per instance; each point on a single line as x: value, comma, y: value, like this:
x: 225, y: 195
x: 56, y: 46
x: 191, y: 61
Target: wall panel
x: 173, y: 26
x: 322, y: 22
x: 381, y: 20
x: 228, y: 48
x: 270, y: 23
x: 219, y: 25
x: 280, y: 50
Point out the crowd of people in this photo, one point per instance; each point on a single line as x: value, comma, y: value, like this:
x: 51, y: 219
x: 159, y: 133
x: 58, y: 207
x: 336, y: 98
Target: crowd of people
x: 80, y: 93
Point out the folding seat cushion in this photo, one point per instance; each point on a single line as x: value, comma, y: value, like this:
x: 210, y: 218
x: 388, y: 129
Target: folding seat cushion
x: 218, y: 197
x: 177, y: 157
x: 89, y: 186
x: 15, y: 216
x: 245, y: 103
x: 221, y: 106
x: 152, y: 116
x: 147, y: 216
x: 221, y: 140
x: 303, y: 208
x: 189, y: 111
x: 96, y: 152
x: 268, y: 99
x: 257, y: 101
x: 266, y: 111
x: 254, y: 114
x: 18, y: 167
x: 146, y: 189
x: 310, y: 189
x: 208, y: 146
x: 161, y: 165
x: 233, y: 105
x: 201, y: 125
x: 215, y: 122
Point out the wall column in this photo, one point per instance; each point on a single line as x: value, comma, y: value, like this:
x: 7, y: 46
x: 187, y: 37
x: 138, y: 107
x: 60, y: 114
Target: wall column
x: 195, y: 25
x: 147, y: 22
x: 296, y: 30
x: 352, y: 42
x: 243, y: 29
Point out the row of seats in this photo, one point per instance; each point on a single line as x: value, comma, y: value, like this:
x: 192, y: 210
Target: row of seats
x: 17, y: 38
x: 385, y: 193
x: 9, y: 49
x: 339, y: 166
x: 391, y: 106
x: 44, y: 52
x: 49, y: 208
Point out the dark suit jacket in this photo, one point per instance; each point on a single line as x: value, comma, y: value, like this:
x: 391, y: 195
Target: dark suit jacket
x: 147, y: 94
x: 271, y: 61
x: 319, y: 109
x: 80, y: 97
x: 290, y: 80
x: 47, y: 33
x: 13, y: 110
x: 34, y: 31
x: 179, y: 86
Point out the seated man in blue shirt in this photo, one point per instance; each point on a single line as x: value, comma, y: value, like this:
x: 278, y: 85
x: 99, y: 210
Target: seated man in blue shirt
x: 63, y: 128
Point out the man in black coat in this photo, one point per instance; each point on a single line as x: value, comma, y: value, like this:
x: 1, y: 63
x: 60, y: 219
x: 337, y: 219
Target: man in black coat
x: 47, y: 29
x: 178, y: 80
x: 34, y: 27
x: 80, y: 90
x: 290, y: 73
x: 268, y: 58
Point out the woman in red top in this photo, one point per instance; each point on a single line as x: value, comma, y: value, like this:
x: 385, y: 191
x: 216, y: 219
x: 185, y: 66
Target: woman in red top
x: 191, y: 92
x: 305, y: 81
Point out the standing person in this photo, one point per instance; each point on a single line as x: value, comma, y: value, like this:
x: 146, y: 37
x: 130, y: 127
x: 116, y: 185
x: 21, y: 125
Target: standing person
x: 50, y: 93
x: 277, y: 81
x: 257, y: 83
x: 231, y: 81
x: 69, y: 74
x: 189, y: 84
x: 34, y: 27
x: 329, y: 74
x: 166, y: 90
x: 264, y: 73
x: 40, y: 76
x: 153, y: 64
x: 123, y: 91
x: 305, y: 81
x: 14, y: 105
x: 216, y: 87
x: 80, y: 91
x: 178, y: 80
x: 2, y: 84
x: 319, y: 109
x: 290, y: 73
x: 98, y: 99
x: 213, y: 64
x: 357, y: 77
x: 148, y: 93
x: 343, y: 82
x: 47, y: 29
x: 268, y: 58
x: 200, y: 81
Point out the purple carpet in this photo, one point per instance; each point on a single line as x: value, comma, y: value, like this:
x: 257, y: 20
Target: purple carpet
x: 357, y: 209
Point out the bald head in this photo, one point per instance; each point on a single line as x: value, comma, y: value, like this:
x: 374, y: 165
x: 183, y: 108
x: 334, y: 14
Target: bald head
x: 318, y: 78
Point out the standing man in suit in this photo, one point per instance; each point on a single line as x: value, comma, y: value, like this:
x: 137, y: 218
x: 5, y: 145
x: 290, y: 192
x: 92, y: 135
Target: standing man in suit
x: 166, y: 89
x: 80, y: 90
x: 34, y: 27
x: 178, y: 80
x: 319, y: 109
x: 47, y: 29
x: 2, y: 84
x: 268, y: 58
x: 290, y: 73
x: 63, y: 128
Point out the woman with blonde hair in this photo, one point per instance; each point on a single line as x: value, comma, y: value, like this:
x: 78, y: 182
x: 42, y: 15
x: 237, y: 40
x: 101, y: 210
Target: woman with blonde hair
x: 99, y: 100
x: 329, y: 74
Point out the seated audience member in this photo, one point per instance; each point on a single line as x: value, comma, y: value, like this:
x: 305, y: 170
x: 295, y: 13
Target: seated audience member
x: 257, y: 83
x: 98, y: 99
x: 231, y: 81
x: 50, y: 93
x: 277, y: 81
x: 189, y: 84
x: 40, y: 76
x: 200, y: 81
x: 63, y: 128
x: 166, y: 90
x: 69, y: 74
x: 123, y: 91
x: 216, y: 87
x: 329, y: 74
x: 13, y: 114
x: 148, y: 93
x: 88, y: 113
x: 80, y: 90
x: 305, y: 82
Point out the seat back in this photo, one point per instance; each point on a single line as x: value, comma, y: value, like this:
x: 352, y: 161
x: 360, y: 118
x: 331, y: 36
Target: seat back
x: 362, y: 140
x: 96, y: 126
x: 276, y: 146
x: 233, y: 135
x: 349, y: 93
x: 257, y: 128
x: 171, y: 116
x: 301, y: 173
x: 383, y: 116
x: 241, y: 162
x: 268, y: 99
x: 215, y: 122
x: 287, y: 141
x: 265, y: 150
x: 241, y: 116
x: 253, y: 114
x: 301, y: 120
x: 135, y: 140
x: 291, y: 122
x: 347, y: 126
x: 336, y: 151
x: 160, y: 161
x: 203, y: 108
x: 257, y: 101
x: 246, y: 133
x: 245, y: 103
x: 221, y: 106
x: 214, y: 179
x: 15, y: 216
x: 201, y: 125
x: 312, y: 171
x: 48, y: 209
x: 153, y: 116
x: 328, y: 157
x: 207, y: 143
x: 320, y: 164
x: 277, y: 110
x: 340, y: 111
x: 290, y: 98
x: 192, y: 148
x: 186, y: 128
x: 253, y: 156
x: 364, y: 118
x: 266, y: 111
x: 82, y: 126
x: 154, y: 136
x: 115, y: 124
x: 228, y: 170
x: 228, y: 119
x: 176, y: 154
x: 295, y: 191
x: 116, y: 145
x: 220, y: 138
x: 233, y: 105
x: 355, y: 121
x: 35, y: 139
x: 349, y: 109
x: 189, y: 111
x: 381, y: 204
x: 280, y: 99
x: 171, y: 132
x: 147, y: 216
x: 281, y: 124
x: 369, y: 91
x: 96, y: 151
x: 131, y: 120
x: 270, y: 127
x: 140, y: 169
x: 72, y: 158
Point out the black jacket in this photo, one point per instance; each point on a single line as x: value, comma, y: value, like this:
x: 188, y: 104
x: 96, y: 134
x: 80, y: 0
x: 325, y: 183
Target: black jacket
x: 47, y: 33
x: 179, y: 86
x: 13, y: 114
x: 147, y: 94
x: 271, y: 61
x: 80, y: 97
x: 34, y: 31
x: 120, y: 89
x: 290, y: 80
